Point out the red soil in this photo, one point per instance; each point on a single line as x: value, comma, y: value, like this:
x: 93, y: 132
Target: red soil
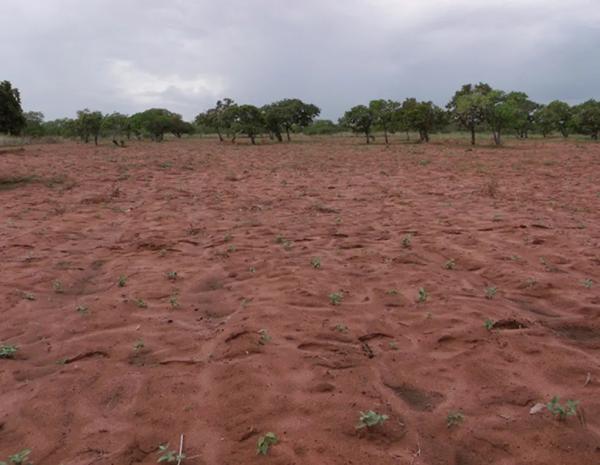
x: 240, y: 225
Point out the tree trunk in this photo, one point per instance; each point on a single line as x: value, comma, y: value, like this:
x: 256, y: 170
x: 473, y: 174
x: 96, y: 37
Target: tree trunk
x: 278, y: 135
x: 96, y: 139
x: 368, y: 137
x: 252, y: 139
x: 287, y: 131
x: 386, y: 136
x: 220, y: 135
x: 496, y: 135
x: 407, y: 135
x: 472, y: 135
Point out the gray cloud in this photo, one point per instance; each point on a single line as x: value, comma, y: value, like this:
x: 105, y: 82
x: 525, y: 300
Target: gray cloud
x: 184, y: 54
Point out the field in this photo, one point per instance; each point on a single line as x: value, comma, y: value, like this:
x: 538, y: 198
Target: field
x: 227, y: 291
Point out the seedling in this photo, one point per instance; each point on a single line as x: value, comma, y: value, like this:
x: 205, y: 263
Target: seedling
x: 490, y: 292
x: 369, y: 419
x: 18, y: 458
x: 422, y: 295
x: 265, y: 442
x: 8, y: 351
x: 279, y: 239
x: 336, y: 298
x: 454, y: 419
x: 264, y: 337
x: 252, y: 269
x: 231, y: 249
x: 587, y: 283
x: 393, y: 345
x: 228, y: 237
x: 172, y: 275
x: 28, y: 296
x: 316, y: 263
x: 138, y: 345
x: 450, y: 264
x: 82, y: 309
x: 489, y: 324
x: 58, y: 287
x: 174, y: 302
x: 406, y: 241
x: 122, y: 281
x: 562, y: 411
x: 341, y: 328
x: 169, y: 456
x: 391, y: 292
x: 141, y: 303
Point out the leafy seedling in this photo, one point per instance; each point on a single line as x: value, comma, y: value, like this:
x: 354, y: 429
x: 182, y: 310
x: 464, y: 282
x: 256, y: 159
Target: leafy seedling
x: 8, y: 351
x: 407, y: 241
x: 265, y: 442
x: 264, y: 337
x: 562, y: 411
x: 369, y: 419
x: 316, y: 263
x: 19, y: 458
x: 58, y: 287
x: 336, y: 298
x: 489, y: 324
x: 28, y: 296
x: 454, y: 419
x: 391, y: 292
x: 122, y: 281
x: 422, y: 295
x: 587, y: 283
x: 169, y: 456
x: 82, y: 309
x: 174, y: 302
x: 141, y: 303
x: 138, y: 345
x: 341, y: 328
x: 450, y: 264
x: 490, y: 292
x: 172, y: 275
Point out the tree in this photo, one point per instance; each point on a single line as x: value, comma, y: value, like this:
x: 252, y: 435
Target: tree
x: 501, y: 112
x: 561, y: 116
x: 89, y: 124
x: 215, y: 118
x: 359, y: 119
x: 286, y: 115
x: 156, y: 122
x: 587, y: 118
x: 62, y: 127
x: 34, y: 124
x: 423, y: 117
x: 116, y: 125
x: 468, y: 106
x: 275, y: 116
x: 12, y: 120
x: 321, y: 127
x: 385, y: 115
x: 524, y: 115
x: 244, y: 119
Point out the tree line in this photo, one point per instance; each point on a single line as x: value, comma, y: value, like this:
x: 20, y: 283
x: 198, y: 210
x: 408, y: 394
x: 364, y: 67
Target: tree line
x: 473, y: 108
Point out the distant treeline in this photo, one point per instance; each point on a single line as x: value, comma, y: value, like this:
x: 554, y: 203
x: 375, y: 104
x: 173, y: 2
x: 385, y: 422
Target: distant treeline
x: 473, y: 108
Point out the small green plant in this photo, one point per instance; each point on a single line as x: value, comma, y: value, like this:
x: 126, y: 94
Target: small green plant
x: 391, y: 292
x: 450, y: 264
x: 174, y: 302
x: 265, y: 442
x: 141, y: 303
x: 489, y: 324
x: 264, y: 337
x: 562, y: 411
x: 8, y: 351
x: 336, y: 298
x: 28, y: 296
x: 172, y: 275
x: 122, y: 281
x: 587, y: 283
x: 369, y: 419
x: 169, y: 456
x: 341, y: 328
x: 252, y: 269
x: 279, y: 239
x: 316, y: 263
x: 82, y: 309
x: 490, y: 292
x: 422, y: 295
x: 393, y: 345
x: 232, y: 248
x: 57, y: 286
x: 228, y: 238
x: 454, y: 419
x: 138, y: 345
x: 19, y: 458
x: 407, y: 241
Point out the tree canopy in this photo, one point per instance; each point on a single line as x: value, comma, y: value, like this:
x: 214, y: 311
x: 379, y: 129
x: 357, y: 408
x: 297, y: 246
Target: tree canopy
x: 12, y: 120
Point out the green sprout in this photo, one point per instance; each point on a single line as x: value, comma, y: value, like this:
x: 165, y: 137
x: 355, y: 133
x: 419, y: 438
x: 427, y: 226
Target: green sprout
x: 265, y: 442
x: 454, y: 419
x: 369, y: 419
x: 490, y: 292
x: 336, y: 298
x: 8, y: 351
x: 489, y: 324
x: 169, y: 456
x: 562, y: 411
x: 122, y: 281
x: 316, y: 263
x: 422, y: 295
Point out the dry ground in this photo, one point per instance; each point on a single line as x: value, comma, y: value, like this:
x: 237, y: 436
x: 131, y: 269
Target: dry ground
x: 104, y: 373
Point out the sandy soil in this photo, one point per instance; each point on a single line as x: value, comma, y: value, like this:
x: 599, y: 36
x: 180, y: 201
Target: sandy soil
x: 105, y: 373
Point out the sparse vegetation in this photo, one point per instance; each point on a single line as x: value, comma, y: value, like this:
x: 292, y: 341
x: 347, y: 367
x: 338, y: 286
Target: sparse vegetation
x: 370, y: 419
x: 57, y: 286
x: 336, y: 298
x: 141, y: 303
x: 82, y: 309
x: 122, y: 281
x: 489, y: 324
x: 172, y: 275
x: 454, y: 419
x: 169, y: 456
x: 423, y: 295
x: 490, y: 292
x: 19, y: 458
x: 316, y: 263
x: 407, y: 241
x: 450, y: 264
x: 8, y: 351
x: 587, y: 283
x: 138, y: 345
x: 561, y: 412
x: 265, y: 442
x: 264, y: 337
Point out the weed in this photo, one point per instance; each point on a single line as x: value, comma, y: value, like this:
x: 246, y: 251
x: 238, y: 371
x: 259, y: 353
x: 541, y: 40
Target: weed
x: 279, y: 239
x: 174, y: 302
x: 264, y: 337
x: 490, y: 292
x: 18, y: 458
x: 228, y: 238
x: 138, y: 345
x: 169, y: 456
x: 82, y: 309
x: 122, y: 281
x: 8, y: 351
x: 316, y: 263
x: 336, y: 298
x: 28, y: 296
x: 140, y: 303
x: 393, y: 345
x: 369, y: 419
x: 489, y: 324
x: 252, y: 269
x: 562, y: 411
x: 454, y: 419
x: 172, y: 275
x: 422, y: 295
x: 450, y: 264
x: 407, y: 241
x: 58, y: 287
x: 341, y: 328
x: 391, y: 292
x: 587, y: 283
x: 265, y: 442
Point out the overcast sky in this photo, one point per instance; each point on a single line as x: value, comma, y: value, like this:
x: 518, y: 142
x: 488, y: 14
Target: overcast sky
x: 130, y: 55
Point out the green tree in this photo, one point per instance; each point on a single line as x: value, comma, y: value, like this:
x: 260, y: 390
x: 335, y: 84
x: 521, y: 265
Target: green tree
x: 423, y: 117
x: 523, y: 120
x: 12, y: 120
x: 587, y: 118
x: 156, y: 122
x: 244, y: 119
x: 542, y: 120
x: 34, y: 124
x: 385, y: 115
x: 116, y: 126
x: 321, y: 127
x: 288, y: 114
x: 61, y: 127
x: 501, y: 112
x: 468, y: 106
x: 89, y: 124
x: 359, y: 119
x: 561, y: 116
x: 218, y: 118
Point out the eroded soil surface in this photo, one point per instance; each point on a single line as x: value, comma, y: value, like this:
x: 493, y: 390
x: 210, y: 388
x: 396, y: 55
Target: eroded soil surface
x: 245, y: 339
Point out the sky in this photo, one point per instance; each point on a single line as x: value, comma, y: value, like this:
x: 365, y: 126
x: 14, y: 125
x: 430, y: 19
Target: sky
x: 183, y: 55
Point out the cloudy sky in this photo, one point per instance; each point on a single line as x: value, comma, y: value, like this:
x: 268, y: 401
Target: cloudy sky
x: 129, y: 55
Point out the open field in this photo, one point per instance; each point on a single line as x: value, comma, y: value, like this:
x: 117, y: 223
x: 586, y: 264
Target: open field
x: 117, y: 354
